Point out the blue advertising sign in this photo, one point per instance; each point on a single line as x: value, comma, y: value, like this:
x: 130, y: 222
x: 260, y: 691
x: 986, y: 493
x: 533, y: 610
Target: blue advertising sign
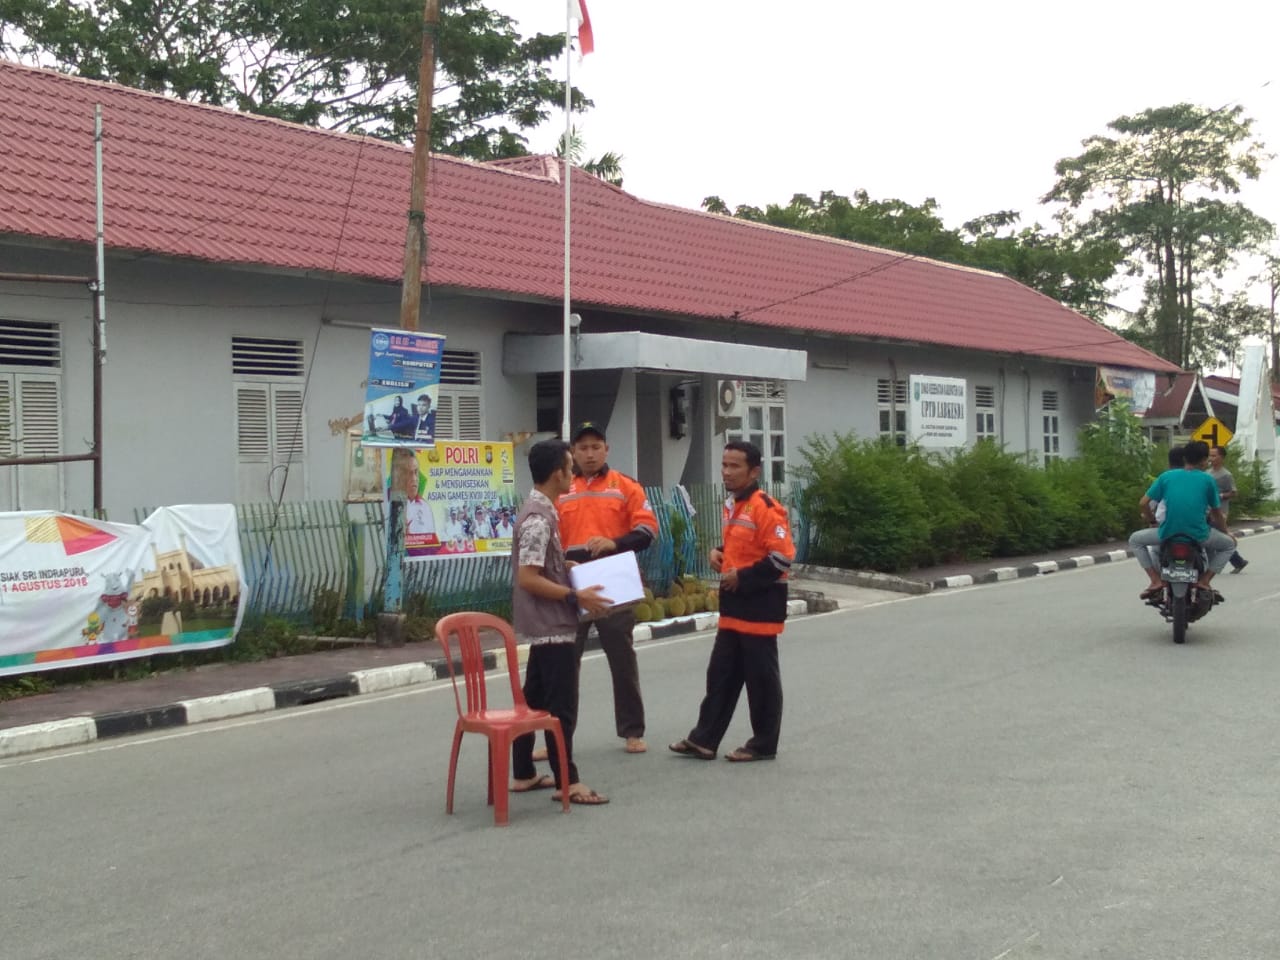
x: 404, y: 386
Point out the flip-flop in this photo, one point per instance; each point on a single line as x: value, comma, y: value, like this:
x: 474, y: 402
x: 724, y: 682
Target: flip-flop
x: 687, y: 748
x: 544, y: 782
x: 747, y: 755
x: 584, y: 798
x: 1150, y: 592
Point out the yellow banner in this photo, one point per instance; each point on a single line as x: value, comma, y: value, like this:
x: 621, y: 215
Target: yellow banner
x: 460, y: 498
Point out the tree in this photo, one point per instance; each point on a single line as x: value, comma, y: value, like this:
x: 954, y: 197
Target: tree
x: 1074, y: 271
x: 1270, y: 277
x: 347, y: 65
x: 1159, y: 177
x: 607, y: 166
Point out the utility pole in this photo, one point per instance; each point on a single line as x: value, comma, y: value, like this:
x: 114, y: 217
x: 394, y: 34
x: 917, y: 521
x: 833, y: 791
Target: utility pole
x: 390, y: 627
x: 416, y: 242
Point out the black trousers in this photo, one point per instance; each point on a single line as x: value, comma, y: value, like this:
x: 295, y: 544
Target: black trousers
x: 619, y: 647
x: 738, y: 660
x: 551, y: 684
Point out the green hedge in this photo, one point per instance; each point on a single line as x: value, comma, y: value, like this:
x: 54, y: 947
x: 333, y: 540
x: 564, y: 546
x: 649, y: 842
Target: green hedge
x: 874, y: 505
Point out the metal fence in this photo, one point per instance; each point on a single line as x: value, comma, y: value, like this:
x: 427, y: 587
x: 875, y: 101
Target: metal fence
x: 319, y: 559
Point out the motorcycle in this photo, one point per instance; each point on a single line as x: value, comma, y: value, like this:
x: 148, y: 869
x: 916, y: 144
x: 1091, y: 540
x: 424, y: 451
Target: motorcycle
x: 1182, y: 601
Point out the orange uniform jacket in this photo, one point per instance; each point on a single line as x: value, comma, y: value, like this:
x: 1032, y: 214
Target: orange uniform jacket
x: 757, y: 543
x: 610, y: 504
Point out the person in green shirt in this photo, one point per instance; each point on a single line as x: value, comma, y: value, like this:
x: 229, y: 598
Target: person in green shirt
x: 1191, y: 504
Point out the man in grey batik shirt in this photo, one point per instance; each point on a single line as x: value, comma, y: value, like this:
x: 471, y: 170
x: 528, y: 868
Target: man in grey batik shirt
x: 1227, y: 492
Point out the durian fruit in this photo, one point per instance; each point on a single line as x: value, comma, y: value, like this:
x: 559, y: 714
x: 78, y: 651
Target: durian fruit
x: 695, y: 603
x: 713, y: 601
x: 643, y: 612
x: 648, y: 595
x: 676, y: 589
x: 676, y: 607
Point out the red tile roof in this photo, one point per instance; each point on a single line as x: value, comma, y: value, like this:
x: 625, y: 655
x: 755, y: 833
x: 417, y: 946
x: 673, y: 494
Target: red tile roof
x: 201, y: 182
x: 1170, y: 398
x: 1231, y: 385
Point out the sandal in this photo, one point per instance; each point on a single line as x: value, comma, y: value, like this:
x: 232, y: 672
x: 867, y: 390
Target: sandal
x: 545, y: 782
x: 687, y: 748
x: 1151, y: 592
x: 585, y: 798
x: 747, y: 755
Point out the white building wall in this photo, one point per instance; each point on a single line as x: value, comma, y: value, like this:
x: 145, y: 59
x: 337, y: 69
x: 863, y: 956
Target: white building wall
x: 168, y: 396
x: 169, y: 401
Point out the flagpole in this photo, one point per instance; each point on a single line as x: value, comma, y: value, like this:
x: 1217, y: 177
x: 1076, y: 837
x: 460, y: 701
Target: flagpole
x: 566, y: 332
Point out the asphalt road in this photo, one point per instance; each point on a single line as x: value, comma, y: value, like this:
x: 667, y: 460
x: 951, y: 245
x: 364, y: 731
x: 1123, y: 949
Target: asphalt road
x: 1027, y: 769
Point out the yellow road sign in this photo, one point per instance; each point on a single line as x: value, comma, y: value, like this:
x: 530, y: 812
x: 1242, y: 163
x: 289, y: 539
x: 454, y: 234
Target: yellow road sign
x: 1213, y: 432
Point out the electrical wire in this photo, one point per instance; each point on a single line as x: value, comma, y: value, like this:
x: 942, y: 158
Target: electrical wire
x: 878, y: 268
x: 306, y: 385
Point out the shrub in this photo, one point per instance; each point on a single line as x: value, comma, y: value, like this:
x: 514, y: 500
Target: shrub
x: 1254, y: 489
x: 865, y: 509
x: 1008, y: 498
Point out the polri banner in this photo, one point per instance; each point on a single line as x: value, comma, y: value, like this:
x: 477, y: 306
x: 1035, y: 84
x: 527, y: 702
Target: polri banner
x: 936, y: 412
x: 75, y: 591
x: 403, y: 389
x: 460, y: 498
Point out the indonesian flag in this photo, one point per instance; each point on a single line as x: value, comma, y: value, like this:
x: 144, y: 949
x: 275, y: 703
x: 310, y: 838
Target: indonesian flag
x: 586, y: 43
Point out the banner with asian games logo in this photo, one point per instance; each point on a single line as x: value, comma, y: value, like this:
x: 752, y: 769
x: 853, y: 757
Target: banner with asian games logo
x: 76, y: 591
x: 460, y: 498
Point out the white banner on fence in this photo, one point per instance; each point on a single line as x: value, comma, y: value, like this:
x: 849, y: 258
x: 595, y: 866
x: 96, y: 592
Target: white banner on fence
x: 75, y: 591
x: 937, y: 412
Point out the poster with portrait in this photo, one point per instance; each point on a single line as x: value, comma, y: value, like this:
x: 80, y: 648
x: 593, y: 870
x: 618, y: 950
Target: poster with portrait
x: 460, y: 498
x: 403, y: 388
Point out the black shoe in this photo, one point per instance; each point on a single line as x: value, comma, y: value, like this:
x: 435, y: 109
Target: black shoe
x: 1243, y: 564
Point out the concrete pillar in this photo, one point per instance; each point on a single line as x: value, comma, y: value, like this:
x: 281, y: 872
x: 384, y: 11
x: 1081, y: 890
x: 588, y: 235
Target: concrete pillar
x: 622, y: 425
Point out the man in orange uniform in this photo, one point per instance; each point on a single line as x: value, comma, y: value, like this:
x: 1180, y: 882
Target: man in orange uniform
x: 753, y: 563
x: 606, y: 512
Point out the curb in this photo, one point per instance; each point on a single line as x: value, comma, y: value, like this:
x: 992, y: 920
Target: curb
x: 74, y: 731
x: 1044, y: 567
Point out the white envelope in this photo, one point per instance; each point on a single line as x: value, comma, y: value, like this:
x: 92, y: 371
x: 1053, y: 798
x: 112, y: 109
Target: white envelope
x: 618, y: 574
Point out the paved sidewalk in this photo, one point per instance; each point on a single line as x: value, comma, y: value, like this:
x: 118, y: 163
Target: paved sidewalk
x: 74, y: 715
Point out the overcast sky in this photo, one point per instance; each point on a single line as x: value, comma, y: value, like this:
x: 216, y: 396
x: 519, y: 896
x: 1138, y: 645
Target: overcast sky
x: 971, y: 104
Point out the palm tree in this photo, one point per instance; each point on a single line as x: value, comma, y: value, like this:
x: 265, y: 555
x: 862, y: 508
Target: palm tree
x: 608, y: 166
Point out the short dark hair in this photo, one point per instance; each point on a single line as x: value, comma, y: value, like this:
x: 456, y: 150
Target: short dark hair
x: 1197, y: 451
x: 1177, y: 458
x: 423, y: 396
x: 545, y: 458
x: 754, y: 457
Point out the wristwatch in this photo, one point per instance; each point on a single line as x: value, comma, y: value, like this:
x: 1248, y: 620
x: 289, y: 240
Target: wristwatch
x: 571, y: 598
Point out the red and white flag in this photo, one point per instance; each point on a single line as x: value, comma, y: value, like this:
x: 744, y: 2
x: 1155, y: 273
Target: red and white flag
x: 586, y: 43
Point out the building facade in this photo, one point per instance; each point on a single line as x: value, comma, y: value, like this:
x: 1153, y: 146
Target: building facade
x: 247, y: 260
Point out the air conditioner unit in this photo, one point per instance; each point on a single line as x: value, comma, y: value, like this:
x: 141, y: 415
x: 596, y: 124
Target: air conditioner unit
x: 729, y: 405
x: 729, y: 398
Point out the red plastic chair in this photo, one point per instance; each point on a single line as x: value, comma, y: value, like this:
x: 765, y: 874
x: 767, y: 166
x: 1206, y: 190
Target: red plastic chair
x: 500, y: 726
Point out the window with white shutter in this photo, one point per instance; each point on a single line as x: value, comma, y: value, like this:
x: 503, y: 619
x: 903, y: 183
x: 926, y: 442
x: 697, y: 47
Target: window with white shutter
x: 30, y: 414
x: 460, y: 407
x: 891, y: 406
x: 984, y: 402
x: 270, y: 420
x: 1049, y: 413
x: 765, y: 425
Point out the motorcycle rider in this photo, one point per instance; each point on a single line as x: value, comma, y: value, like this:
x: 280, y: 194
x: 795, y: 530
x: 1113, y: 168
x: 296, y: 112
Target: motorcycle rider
x: 1192, y: 504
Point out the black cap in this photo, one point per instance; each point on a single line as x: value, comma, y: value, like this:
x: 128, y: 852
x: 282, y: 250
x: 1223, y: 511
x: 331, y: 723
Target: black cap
x: 586, y: 427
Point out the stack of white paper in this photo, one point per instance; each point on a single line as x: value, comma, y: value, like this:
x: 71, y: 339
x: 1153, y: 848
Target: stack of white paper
x: 618, y: 575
